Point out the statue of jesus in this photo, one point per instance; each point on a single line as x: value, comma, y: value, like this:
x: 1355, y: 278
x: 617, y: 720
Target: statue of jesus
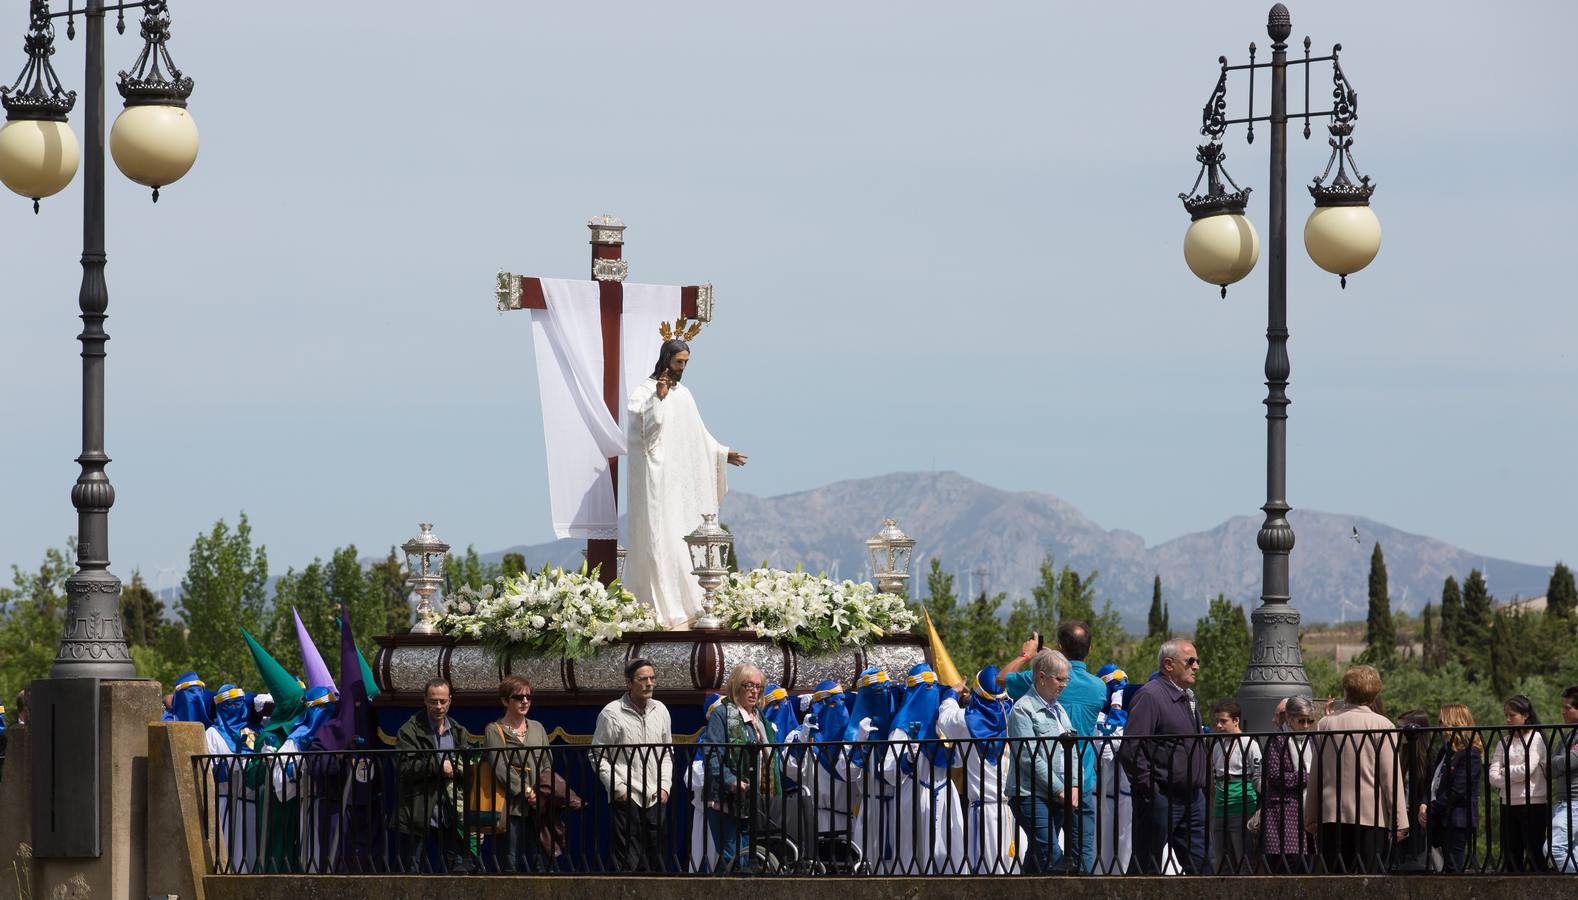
x: 676, y: 475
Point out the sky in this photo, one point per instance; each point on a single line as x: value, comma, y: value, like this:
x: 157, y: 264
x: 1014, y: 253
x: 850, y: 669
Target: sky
x: 942, y: 236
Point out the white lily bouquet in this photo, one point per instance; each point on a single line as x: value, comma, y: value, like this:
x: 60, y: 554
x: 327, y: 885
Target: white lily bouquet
x: 549, y: 612
x: 812, y: 612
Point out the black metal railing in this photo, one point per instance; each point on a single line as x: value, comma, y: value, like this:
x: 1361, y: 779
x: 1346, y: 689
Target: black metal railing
x: 1300, y: 803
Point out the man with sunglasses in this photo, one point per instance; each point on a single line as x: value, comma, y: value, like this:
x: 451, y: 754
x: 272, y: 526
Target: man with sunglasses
x: 1166, y: 765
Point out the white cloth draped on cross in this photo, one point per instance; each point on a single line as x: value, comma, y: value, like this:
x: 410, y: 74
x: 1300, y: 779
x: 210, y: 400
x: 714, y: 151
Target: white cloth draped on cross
x: 581, y: 433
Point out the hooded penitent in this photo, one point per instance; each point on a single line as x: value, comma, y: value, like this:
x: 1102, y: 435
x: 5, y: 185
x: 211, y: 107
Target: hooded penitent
x: 230, y: 716
x: 192, y: 701
x: 282, y: 686
x: 987, y: 714
x: 918, y: 715
x: 311, y: 660
x: 873, y: 707
x: 1113, y: 710
x: 825, y: 721
x: 779, y: 709
x: 320, y: 712
x: 353, y: 721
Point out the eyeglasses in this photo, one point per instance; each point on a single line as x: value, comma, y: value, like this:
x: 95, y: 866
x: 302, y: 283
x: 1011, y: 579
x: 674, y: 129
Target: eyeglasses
x: 1191, y: 661
x: 519, y: 697
x: 751, y: 686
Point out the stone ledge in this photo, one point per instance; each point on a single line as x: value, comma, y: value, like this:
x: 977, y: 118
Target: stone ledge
x: 609, y: 887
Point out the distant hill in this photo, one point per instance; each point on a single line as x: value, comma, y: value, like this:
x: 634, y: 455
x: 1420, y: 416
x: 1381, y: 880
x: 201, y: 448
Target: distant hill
x: 971, y: 526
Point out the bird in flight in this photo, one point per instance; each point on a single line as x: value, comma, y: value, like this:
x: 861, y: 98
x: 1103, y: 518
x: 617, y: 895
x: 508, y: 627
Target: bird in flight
x: 1355, y: 535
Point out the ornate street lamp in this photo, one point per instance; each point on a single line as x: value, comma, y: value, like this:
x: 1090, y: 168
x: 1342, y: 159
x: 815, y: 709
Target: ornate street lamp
x: 1342, y: 234
x: 1221, y: 246
x: 709, y: 554
x: 154, y: 143
x: 424, y: 559
x: 154, y: 140
x: 1342, y: 237
x: 38, y: 150
x: 890, y: 551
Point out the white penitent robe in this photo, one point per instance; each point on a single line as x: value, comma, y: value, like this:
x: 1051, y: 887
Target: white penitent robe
x: 676, y: 475
x: 928, y: 817
x: 991, y: 832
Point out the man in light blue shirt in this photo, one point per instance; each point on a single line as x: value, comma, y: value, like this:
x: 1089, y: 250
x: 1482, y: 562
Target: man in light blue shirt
x: 1038, y: 779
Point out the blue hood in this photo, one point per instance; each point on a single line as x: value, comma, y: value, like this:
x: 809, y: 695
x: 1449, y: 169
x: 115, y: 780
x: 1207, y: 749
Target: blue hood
x: 987, y: 715
x: 918, y: 715
x: 320, y: 711
x: 192, y: 701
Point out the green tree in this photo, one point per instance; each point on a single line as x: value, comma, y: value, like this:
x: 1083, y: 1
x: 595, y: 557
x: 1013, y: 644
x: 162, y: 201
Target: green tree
x: 349, y: 588
x: 1513, y: 639
x: 1107, y: 637
x: 1430, y: 642
x: 1561, y: 597
x: 983, y: 642
x: 513, y: 564
x: 32, y: 612
x: 306, y: 592
x: 1451, y: 617
x: 1154, y: 623
x: 1167, y: 619
x: 1044, y: 599
x: 1221, y: 639
x: 387, y: 580
x: 317, y: 593
x: 942, y: 603
x: 1076, y: 597
x: 1473, y: 631
x: 224, y: 588
x: 1380, y: 634
x: 142, y: 613
x: 467, y: 569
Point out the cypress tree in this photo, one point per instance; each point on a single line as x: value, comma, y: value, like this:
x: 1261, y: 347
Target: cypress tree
x: 1154, y: 624
x: 1428, y: 650
x: 1380, y: 635
x: 1561, y: 597
x: 1473, y: 630
x: 1167, y: 620
x: 1451, y: 613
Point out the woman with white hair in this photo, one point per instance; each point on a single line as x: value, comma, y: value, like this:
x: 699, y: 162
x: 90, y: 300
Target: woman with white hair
x: 743, y: 778
x: 1041, y: 769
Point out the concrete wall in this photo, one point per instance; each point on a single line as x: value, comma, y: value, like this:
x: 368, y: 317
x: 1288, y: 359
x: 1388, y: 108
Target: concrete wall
x: 177, y: 856
x: 393, y: 887
x: 125, y: 709
x: 15, y: 824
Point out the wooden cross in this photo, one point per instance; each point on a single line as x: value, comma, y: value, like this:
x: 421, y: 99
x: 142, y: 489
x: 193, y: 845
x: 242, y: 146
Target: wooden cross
x: 608, y: 270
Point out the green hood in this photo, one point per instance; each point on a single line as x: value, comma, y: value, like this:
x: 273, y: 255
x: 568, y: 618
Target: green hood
x: 287, y: 692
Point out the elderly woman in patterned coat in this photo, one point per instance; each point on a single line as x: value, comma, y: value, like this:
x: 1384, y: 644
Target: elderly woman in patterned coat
x: 1288, y: 848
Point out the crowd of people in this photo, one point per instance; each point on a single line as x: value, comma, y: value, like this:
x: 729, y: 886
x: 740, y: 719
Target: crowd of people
x: 1037, y: 765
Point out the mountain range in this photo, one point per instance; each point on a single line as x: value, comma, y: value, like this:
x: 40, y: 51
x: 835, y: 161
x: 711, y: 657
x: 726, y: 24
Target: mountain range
x: 996, y: 539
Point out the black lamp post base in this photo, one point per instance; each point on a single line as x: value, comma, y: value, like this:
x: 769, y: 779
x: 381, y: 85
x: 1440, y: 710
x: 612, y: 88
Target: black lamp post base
x: 93, y: 644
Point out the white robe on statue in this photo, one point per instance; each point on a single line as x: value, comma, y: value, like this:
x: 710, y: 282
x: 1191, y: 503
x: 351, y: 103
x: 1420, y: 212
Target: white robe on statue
x: 676, y: 475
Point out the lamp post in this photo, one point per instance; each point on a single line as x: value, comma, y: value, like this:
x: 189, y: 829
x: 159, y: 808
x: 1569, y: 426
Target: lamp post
x: 1221, y: 247
x: 154, y: 143
x: 424, y: 559
x: 709, y: 554
x: 890, y: 551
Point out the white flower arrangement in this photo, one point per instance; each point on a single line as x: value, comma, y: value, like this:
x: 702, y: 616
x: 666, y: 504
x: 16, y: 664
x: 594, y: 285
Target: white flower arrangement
x: 550, y: 612
x: 812, y: 612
